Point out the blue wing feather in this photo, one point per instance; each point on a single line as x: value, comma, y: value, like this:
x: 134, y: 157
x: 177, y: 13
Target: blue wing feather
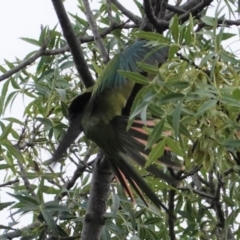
x: 127, y: 61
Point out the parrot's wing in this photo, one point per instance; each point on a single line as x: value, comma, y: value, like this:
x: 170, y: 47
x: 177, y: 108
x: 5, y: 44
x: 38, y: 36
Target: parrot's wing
x: 127, y: 61
x: 134, y: 143
x: 131, y: 147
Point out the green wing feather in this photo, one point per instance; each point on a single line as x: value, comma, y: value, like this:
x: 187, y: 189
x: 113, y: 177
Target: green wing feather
x: 127, y: 61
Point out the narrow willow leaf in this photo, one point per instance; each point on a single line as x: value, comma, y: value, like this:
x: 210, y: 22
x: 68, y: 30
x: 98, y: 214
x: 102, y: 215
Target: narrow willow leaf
x: 151, y: 36
x: 156, y: 152
x: 174, y: 27
x: 136, y: 77
x: 172, y: 97
x: 176, y: 118
x: 6, y: 131
x: 207, y: 58
x: 174, y: 146
x: 206, y: 106
x: 156, y: 133
x: 172, y: 51
x: 50, y: 222
x: 232, y: 143
x: 32, y: 41
x: 5, y: 204
x: 208, y: 20
x: 230, y: 101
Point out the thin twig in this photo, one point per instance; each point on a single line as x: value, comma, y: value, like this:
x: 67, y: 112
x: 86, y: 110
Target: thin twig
x: 171, y: 219
x: 137, y: 20
x: 200, y: 193
x: 50, y: 52
x: 9, y: 183
x: 109, y: 11
x: 23, y: 64
x: 94, y: 28
x: 73, y: 43
x: 160, y: 25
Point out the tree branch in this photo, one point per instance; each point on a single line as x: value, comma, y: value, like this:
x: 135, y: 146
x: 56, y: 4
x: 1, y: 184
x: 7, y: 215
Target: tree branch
x: 49, y: 52
x: 100, y: 186
x: 73, y: 44
x: 160, y: 25
x: 9, y: 183
x: 137, y: 20
x: 93, y: 26
x: 23, y: 64
x: 171, y: 219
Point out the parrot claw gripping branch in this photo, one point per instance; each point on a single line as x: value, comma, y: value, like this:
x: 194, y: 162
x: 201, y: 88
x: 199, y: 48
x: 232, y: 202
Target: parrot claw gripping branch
x: 103, y: 117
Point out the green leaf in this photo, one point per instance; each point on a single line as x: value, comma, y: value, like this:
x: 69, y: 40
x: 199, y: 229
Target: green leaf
x: 26, y: 199
x: 156, y: 152
x: 176, y: 118
x: 228, y: 201
x: 148, y: 68
x: 207, y: 58
x: 54, y: 206
x: 208, y: 21
x: 5, y: 204
x: 115, y: 205
x: 3, y: 95
x: 151, y: 36
x: 230, y: 101
x: 172, y: 51
x: 31, y: 41
x: 152, y: 220
x: 5, y: 132
x: 206, y: 106
x: 236, y: 94
x: 231, y: 143
x: 14, y: 120
x: 172, y: 97
x: 62, y: 94
x: 46, y: 122
x: 174, y: 27
x: 174, y: 146
x: 136, y: 77
x: 12, y: 150
x: 50, y: 222
x: 156, y: 133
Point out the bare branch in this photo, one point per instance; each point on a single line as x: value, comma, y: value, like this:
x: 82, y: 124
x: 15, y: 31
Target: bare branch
x: 137, y: 20
x: 73, y: 44
x: 109, y: 10
x: 189, y: 5
x: 19, y: 232
x: 200, y: 193
x: 100, y: 186
x: 160, y: 25
x: 49, y: 52
x: 175, y: 9
x: 171, y: 219
x: 9, y: 183
x: 23, y: 64
x: 95, y: 32
x: 163, y: 7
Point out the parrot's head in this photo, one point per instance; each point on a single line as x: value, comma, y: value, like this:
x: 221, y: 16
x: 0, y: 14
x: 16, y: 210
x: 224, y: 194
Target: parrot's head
x: 77, y: 106
x: 75, y: 113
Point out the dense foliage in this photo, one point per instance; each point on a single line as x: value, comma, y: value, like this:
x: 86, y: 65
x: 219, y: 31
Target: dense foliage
x: 195, y: 95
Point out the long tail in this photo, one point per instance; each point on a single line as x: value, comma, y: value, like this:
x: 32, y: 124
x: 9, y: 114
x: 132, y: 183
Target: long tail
x: 131, y: 146
x: 134, y: 143
x: 124, y: 170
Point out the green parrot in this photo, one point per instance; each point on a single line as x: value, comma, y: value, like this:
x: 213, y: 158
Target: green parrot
x: 102, y: 114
